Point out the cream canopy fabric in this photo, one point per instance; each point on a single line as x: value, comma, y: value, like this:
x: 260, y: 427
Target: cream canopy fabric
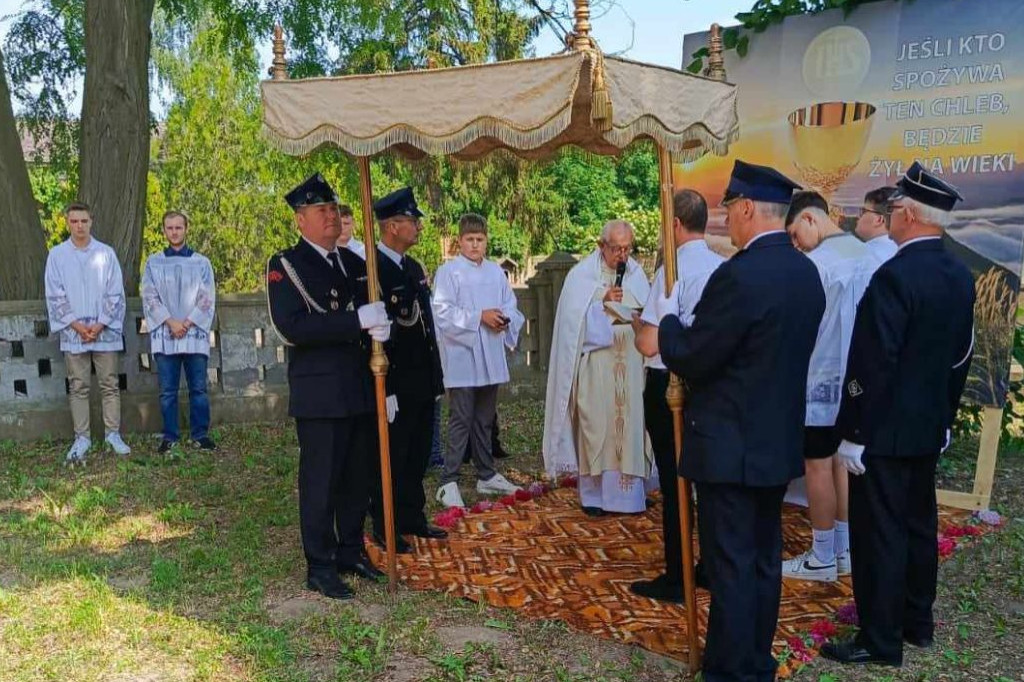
x: 530, y: 107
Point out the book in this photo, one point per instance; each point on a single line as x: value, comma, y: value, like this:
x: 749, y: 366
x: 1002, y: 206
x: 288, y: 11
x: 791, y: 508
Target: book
x: 620, y: 312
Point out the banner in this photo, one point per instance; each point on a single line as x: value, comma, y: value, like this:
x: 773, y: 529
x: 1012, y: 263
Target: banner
x: 844, y: 105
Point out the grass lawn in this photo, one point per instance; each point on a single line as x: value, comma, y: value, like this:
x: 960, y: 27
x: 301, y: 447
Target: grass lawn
x: 153, y: 569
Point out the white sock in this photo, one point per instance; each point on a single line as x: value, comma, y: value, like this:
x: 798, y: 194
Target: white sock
x: 842, y: 537
x: 824, y: 545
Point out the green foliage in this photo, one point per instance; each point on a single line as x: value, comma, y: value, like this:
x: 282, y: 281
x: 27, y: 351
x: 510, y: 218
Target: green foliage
x: 53, y: 189
x: 216, y: 166
x: 636, y: 174
x: 589, y: 185
x: 505, y: 240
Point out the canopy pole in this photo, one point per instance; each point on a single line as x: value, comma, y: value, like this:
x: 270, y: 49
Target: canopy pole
x: 379, y: 368
x: 674, y: 398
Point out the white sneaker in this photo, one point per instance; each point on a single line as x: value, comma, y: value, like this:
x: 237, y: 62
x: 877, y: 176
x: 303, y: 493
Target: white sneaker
x: 496, y: 484
x: 449, y: 495
x: 807, y: 567
x: 843, y: 565
x: 116, y: 444
x: 76, y: 455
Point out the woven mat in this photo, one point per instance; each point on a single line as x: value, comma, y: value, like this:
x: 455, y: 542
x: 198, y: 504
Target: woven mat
x: 547, y: 560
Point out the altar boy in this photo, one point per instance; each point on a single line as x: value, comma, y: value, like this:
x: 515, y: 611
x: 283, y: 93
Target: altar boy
x: 476, y: 318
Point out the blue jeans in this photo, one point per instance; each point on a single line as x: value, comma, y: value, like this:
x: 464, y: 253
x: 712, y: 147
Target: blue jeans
x: 169, y: 370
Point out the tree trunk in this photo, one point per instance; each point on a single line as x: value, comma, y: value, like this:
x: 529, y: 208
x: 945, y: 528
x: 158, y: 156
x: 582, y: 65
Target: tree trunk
x: 115, y: 126
x: 21, y: 276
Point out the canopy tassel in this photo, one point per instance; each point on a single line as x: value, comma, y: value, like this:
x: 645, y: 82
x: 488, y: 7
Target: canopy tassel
x: 581, y: 41
x: 601, y: 101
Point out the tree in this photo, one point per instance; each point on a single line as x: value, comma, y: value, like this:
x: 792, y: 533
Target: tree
x: 216, y: 166
x: 20, y: 277
x: 115, y: 125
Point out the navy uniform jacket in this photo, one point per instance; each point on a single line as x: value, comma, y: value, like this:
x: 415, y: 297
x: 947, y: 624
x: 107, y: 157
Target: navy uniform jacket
x: 744, y: 361
x: 414, y: 371
x: 329, y: 355
x: 910, y: 353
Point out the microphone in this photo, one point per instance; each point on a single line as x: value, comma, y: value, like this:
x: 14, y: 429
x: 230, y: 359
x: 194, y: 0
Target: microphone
x: 620, y: 270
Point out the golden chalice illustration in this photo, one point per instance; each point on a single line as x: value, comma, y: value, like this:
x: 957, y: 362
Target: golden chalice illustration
x: 827, y: 140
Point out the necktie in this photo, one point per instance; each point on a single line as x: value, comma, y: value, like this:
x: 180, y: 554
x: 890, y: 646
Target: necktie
x: 336, y: 262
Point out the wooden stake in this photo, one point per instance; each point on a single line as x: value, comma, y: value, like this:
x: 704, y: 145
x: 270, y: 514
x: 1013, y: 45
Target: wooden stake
x: 379, y: 368
x: 674, y: 397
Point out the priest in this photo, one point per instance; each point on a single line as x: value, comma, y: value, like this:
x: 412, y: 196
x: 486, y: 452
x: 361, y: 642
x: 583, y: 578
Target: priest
x: 594, y: 411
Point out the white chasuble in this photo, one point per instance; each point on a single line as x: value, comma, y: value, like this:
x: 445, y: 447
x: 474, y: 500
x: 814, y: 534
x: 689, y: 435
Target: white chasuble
x: 603, y: 424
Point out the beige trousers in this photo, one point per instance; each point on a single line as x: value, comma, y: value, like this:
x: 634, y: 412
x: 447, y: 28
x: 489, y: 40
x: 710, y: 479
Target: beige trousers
x: 80, y: 380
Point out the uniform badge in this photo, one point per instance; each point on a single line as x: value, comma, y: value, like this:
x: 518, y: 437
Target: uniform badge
x: 334, y: 293
x: 274, y: 276
x: 394, y: 299
x: 854, y: 389
x: 350, y: 307
x: 334, y: 305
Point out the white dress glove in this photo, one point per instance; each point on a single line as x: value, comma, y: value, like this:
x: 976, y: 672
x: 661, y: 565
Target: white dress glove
x: 949, y: 441
x: 373, y: 315
x: 850, y: 455
x: 391, y: 404
x: 382, y: 333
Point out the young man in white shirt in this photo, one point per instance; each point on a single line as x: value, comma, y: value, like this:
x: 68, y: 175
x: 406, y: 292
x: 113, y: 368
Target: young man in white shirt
x: 873, y: 224
x: 477, y: 319
x: 844, y: 265
x: 178, y: 297
x: 347, y: 239
x: 85, y: 302
x: 695, y: 263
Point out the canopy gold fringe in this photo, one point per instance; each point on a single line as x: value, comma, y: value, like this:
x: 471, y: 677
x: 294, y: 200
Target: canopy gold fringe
x: 678, y: 143
x: 427, y: 143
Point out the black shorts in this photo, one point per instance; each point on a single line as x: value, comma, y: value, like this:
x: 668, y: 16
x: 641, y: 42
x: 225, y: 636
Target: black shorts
x: 820, y: 442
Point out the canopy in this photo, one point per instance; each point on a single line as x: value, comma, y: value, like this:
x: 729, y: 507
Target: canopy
x: 531, y: 107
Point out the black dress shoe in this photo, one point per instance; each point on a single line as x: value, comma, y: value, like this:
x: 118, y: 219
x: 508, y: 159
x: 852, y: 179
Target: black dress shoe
x: 920, y: 641
x: 401, y: 545
x: 593, y: 511
x: 206, y: 444
x: 429, y: 532
x: 661, y: 588
x: 329, y: 585
x: 165, y: 446
x: 364, y: 568
x: 852, y: 653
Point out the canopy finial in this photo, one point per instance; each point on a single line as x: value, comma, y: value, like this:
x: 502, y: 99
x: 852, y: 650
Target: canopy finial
x: 716, y: 64
x: 279, y: 67
x: 581, y: 29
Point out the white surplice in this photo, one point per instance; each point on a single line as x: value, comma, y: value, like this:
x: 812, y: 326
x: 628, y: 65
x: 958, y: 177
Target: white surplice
x: 85, y: 285
x: 472, y: 354
x: 356, y: 247
x: 881, y: 248
x: 845, y: 267
x: 593, y: 416
x: 179, y: 288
